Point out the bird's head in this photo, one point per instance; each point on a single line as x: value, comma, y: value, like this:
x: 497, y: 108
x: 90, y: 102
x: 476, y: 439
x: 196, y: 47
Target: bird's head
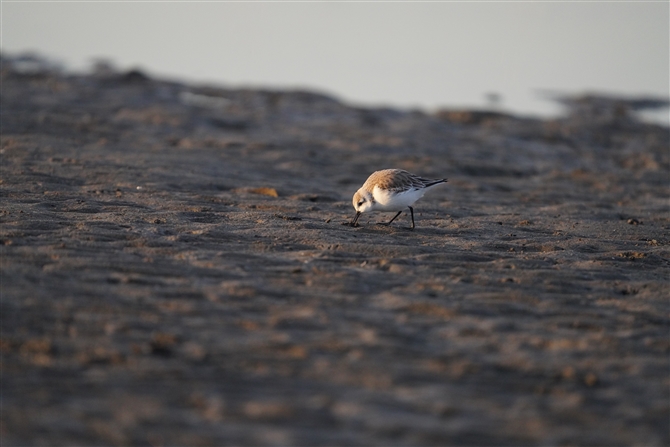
x: 362, y: 201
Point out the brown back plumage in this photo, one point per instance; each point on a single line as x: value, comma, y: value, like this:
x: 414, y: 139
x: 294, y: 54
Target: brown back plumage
x: 398, y: 180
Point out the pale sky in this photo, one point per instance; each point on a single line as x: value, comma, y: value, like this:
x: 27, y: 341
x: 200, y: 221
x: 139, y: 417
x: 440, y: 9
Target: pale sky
x: 402, y: 54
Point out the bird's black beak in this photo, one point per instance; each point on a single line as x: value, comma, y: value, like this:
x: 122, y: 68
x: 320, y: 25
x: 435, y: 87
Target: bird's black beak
x: 353, y: 222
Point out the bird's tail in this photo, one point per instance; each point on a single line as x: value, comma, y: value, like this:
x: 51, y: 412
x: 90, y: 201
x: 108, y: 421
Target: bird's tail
x: 435, y: 182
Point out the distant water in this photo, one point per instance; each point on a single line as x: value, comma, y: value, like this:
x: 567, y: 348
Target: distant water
x: 427, y: 55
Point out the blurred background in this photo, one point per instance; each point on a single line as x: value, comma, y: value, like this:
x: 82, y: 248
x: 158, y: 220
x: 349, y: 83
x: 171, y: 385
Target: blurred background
x: 503, y: 56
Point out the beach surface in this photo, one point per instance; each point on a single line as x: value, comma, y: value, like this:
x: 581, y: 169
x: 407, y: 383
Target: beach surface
x: 178, y: 269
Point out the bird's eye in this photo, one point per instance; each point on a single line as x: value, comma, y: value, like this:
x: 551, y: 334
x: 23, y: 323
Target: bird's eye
x: 361, y: 202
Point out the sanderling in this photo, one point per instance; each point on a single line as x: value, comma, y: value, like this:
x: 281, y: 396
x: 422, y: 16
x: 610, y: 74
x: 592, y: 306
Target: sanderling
x: 391, y: 190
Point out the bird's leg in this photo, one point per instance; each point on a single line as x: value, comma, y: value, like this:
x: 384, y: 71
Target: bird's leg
x: 353, y: 222
x: 411, y: 210
x: 389, y: 222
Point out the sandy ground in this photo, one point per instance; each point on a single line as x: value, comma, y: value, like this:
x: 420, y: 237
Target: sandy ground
x: 177, y: 270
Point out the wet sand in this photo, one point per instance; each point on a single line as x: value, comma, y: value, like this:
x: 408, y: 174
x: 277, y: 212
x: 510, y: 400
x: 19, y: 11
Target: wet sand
x: 177, y: 270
